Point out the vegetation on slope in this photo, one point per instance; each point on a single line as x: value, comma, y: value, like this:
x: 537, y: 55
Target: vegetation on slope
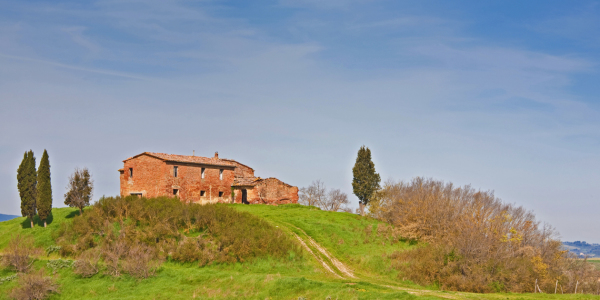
x: 175, y: 230
x: 477, y: 243
x: 366, y: 248
x: 262, y: 277
x: 362, y: 243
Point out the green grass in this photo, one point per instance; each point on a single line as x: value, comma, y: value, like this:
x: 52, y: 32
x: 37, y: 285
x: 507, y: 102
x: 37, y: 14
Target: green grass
x: 262, y: 278
x: 595, y: 262
x: 43, y: 236
x: 351, y: 238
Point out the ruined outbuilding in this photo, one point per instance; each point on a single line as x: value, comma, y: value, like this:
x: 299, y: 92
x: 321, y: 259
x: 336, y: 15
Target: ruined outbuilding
x: 201, y: 180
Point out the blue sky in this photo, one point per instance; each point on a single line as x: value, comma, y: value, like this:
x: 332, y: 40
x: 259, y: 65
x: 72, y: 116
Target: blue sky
x: 501, y: 95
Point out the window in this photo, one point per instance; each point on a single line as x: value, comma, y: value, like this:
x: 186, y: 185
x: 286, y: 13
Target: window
x: 221, y: 174
x: 175, y: 192
x: 130, y: 172
x: 203, y: 169
x: 139, y: 195
x: 220, y: 194
x: 202, y: 193
x: 174, y: 171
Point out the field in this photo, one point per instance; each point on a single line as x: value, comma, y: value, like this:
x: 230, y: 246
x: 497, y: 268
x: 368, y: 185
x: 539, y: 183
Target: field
x: 345, y: 257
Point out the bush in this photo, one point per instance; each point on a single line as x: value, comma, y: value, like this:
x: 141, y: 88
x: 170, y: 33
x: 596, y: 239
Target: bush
x: 18, y: 254
x: 188, y: 251
x: 8, y: 278
x: 474, y: 241
x: 88, y: 263
x: 141, y: 262
x: 164, y: 224
x: 56, y: 264
x: 112, y: 254
x: 34, y: 286
x: 52, y: 249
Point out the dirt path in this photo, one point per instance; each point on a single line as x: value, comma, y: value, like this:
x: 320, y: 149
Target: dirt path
x: 331, y: 259
x: 348, y: 273
x: 325, y: 265
x: 338, y: 264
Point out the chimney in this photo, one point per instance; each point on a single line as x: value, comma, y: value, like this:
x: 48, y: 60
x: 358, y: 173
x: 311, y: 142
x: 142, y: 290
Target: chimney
x: 193, y: 152
x: 217, y: 154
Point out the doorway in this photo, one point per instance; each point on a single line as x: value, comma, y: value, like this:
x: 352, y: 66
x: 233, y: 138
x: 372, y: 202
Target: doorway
x: 245, y: 196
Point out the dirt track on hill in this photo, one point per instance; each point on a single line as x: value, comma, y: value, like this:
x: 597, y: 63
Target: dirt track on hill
x: 349, y: 274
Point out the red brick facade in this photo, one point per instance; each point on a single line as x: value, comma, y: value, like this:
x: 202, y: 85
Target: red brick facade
x: 201, y: 180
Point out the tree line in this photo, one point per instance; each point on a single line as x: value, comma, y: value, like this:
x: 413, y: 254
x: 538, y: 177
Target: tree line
x: 35, y: 188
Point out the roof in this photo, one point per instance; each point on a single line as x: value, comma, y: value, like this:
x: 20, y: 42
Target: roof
x: 187, y: 159
x: 246, y: 181
x: 252, y: 181
x: 237, y: 162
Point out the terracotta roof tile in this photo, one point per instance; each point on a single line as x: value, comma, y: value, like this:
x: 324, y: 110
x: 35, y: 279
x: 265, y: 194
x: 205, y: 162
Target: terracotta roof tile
x: 188, y: 159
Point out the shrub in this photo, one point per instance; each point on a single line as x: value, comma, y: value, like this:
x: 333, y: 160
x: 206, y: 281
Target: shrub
x: 88, y: 263
x: 112, y: 254
x: 34, y: 286
x: 188, y: 251
x: 18, y: 254
x: 56, y: 264
x: 475, y: 242
x: 164, y: 223
x: 8, y: 278
x: 141, y: 261
x: 52, y: 249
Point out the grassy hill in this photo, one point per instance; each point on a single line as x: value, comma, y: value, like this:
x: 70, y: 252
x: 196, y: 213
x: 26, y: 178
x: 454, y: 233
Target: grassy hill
x: 345, y: 258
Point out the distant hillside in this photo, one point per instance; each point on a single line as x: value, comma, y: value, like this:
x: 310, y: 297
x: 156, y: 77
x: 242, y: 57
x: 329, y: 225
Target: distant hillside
x: 4, y: 217
x: 582, y: 248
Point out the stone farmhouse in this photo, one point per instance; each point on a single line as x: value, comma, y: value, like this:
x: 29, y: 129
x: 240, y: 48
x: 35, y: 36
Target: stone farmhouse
x: 201, y: 180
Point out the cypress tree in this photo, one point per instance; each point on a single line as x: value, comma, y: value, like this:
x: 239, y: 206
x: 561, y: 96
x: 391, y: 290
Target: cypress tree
x: 27, y: 177
x: 44, y: 188
x: 365, y: 181
x: 21, y: 179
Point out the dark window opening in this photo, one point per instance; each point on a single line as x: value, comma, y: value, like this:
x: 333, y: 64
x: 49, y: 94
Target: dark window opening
x: 139, y: 195
x: 175, y: 171
x: 175, y: 192
x: 203, y: 169
x: 220, y: 194
x: 202, y: 193
x: 221, y: 174
x: 130, y: 172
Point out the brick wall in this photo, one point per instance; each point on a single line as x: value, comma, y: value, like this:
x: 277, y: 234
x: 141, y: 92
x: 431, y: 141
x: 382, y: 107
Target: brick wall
x: 153, y: 177
x: 268, y: 191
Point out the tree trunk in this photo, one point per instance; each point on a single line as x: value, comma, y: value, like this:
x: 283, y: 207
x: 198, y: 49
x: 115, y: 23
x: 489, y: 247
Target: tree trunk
x: 361, y: 208
x: 80, y: 211
x: 44, y: 223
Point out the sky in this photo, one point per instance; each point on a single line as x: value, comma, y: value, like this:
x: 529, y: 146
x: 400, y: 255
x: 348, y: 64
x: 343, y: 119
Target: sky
x: 499, y: 95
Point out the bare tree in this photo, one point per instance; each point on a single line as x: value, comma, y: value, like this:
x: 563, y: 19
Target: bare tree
x: 79, y: 189
x: 314, y: 194
x: 336, y: 200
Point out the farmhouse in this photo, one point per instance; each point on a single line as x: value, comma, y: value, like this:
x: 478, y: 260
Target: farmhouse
x: 201, y: 180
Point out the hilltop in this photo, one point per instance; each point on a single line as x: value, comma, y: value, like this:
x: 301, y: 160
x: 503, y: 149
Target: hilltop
x: 345, y: 256
x: 582, y: 248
